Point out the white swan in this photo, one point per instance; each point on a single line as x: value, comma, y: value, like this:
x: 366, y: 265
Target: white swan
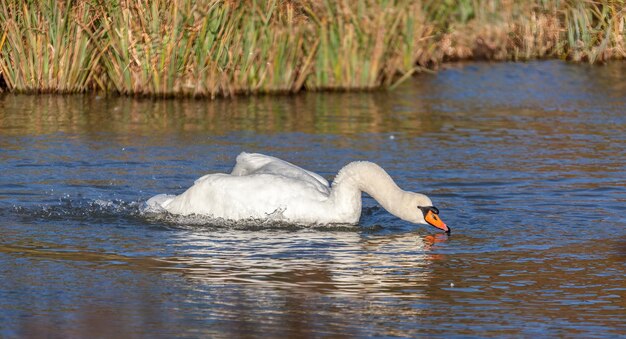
x: 262, y: 186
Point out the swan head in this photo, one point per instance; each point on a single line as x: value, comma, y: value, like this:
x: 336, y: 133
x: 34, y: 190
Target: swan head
x: 419, y: 209
x: 430, y: 214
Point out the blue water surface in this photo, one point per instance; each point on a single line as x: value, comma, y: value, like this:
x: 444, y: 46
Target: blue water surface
x: 524, y: 160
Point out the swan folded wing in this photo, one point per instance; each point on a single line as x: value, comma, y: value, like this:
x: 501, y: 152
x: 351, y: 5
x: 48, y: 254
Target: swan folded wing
x: 255, y: 163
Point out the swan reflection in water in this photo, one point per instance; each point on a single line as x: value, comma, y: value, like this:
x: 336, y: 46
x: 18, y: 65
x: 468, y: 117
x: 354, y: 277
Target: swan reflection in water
x: 333, y: 262
x: 240, y: 281
x: 247, y: 282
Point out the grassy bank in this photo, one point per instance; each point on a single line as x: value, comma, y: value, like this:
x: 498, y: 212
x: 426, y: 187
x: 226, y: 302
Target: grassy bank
x: 223, y: 48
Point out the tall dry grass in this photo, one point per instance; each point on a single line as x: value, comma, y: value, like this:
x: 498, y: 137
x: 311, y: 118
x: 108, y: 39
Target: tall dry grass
x: 216, y: 48
x: 224, y: 48
x: 202, y: 48
x: 48, y: 46
x: 366, y: 44
x: 576, y: 30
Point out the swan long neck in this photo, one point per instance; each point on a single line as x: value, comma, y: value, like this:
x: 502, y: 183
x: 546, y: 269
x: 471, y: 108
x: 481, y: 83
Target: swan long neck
x: 364, y: 176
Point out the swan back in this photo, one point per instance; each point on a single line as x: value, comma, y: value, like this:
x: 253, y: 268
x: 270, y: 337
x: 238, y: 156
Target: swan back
x: 259, y: 197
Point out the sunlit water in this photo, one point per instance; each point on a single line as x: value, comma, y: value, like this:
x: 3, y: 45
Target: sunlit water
x: 527, y: 163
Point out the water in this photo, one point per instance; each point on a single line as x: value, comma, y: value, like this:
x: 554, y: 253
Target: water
x: 525, y: 162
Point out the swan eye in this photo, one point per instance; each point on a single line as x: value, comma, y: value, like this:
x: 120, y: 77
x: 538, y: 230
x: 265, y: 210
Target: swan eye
x: 426, y: 209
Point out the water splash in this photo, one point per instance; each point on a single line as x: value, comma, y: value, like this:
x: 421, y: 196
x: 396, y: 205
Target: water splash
x: 79, y: 209
x: 117, y: 211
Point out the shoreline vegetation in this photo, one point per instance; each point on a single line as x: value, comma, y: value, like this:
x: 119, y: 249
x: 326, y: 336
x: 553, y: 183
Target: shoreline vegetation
x: 183, y: 48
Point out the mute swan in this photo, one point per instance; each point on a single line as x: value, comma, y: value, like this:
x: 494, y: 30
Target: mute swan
x: 262, y: 187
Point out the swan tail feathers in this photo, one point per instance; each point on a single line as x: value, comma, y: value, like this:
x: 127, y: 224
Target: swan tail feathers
x: 158, y: 203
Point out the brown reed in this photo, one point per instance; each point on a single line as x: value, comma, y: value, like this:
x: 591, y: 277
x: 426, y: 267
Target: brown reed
x: 217, y: 48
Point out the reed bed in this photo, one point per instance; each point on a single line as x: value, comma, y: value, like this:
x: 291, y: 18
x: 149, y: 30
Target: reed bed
x: 576, y: 30
x: 45, y: 47
x: 218, y: 48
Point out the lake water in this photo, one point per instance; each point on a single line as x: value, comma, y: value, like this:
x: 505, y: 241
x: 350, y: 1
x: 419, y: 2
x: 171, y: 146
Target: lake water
x: 526, y: 162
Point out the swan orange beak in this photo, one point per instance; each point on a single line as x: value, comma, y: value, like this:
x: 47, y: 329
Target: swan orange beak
x: 434, y: 220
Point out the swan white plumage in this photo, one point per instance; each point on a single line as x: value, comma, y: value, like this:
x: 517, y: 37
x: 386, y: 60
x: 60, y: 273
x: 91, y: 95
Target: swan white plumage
x: 261, y: 186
